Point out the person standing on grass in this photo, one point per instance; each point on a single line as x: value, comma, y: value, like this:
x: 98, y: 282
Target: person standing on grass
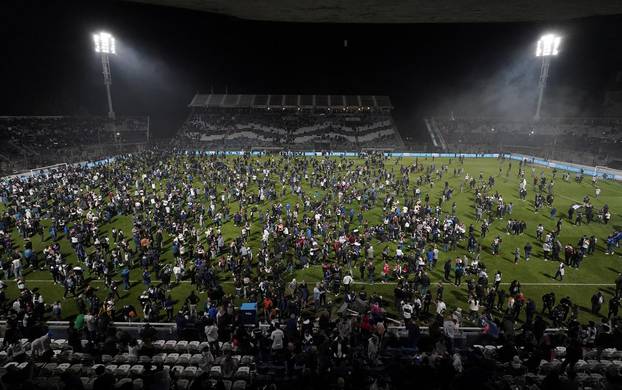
x: 192, y: 300
x: 597, y: 302
x: 498, y: 276
x: 516, y: 255
x: 546, y: 250
x: 386, y: 270
x: 125, y: 277
x: 539, y: 232
x: 447, y: 269
x: 527, y: 248
x: 458, y: 272
x: 560, y: 272
x: 146, y: 278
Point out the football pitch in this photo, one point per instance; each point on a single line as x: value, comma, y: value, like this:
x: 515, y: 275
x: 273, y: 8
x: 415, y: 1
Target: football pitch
x: 597, y: 271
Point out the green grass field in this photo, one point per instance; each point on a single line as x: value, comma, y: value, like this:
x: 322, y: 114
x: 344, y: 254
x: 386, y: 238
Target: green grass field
x: 597, y: 271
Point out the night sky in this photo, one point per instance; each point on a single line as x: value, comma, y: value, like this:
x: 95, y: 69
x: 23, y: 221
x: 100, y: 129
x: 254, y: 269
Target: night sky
x: 166, y: 55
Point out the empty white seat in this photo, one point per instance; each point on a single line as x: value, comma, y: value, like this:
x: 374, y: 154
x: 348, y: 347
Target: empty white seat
x: 608, y: 353
x: 122, y: 370
x: 58, y: 344
x: 159, y: 358
x: 194, y: 347
x: 137, y: 369
x: 184, y: 359
x: 159, y: 344
x: 171, y: 358
x: 581, y: 366
x: 239, y: 385
x: 122, y: 358
x: 243, y: 372
x: 196, y: 359
x: 182, y: 346
x: 111, y: 368
x: 62, y: 367
x: 247, y: 360
x: 170, y: 345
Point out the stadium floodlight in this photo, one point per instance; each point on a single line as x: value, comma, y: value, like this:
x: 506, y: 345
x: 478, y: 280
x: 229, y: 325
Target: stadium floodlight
x: 104, y: 43
x: 547, y: 47
x: 105, y: 46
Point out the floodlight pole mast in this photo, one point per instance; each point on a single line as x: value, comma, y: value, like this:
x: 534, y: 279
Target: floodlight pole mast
x: 544, y: 74
x: 107, y: 83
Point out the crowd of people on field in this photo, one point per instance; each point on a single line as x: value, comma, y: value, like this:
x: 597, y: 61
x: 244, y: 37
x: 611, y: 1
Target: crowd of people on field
x: 237, y: 229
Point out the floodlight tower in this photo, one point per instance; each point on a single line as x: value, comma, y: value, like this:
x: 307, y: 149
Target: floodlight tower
x: 547, y: 47
x: 105, y: 46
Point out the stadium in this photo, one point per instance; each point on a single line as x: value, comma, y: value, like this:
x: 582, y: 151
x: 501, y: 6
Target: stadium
x: 217, y: 195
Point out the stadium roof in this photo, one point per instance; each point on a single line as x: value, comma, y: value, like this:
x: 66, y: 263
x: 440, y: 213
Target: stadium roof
x: 290, y: 101
x: 400, y: 11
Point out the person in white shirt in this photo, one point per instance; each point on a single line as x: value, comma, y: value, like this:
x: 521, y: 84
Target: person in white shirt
x: 277, y: 337
x: 16, y: 268
x: 474, y: 309
x: 347, y: 281
x: 40, y: 346
x: 407, y: 310
x: 440, y: 307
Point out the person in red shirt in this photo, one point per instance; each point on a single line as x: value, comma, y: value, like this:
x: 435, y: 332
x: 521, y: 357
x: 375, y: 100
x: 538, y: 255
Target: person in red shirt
x: 267, y: 306
x: 386, y: 270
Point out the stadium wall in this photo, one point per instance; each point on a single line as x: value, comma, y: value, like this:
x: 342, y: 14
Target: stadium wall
x: 569, y: 167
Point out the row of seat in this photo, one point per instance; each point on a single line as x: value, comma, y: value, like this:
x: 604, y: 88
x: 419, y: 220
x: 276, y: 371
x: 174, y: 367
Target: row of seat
x: 585, y: 381
x: 181, y: 346
x: 137, y: 383
x: 490, y: 351
x: 171, y: 359
x: 588, y: 367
